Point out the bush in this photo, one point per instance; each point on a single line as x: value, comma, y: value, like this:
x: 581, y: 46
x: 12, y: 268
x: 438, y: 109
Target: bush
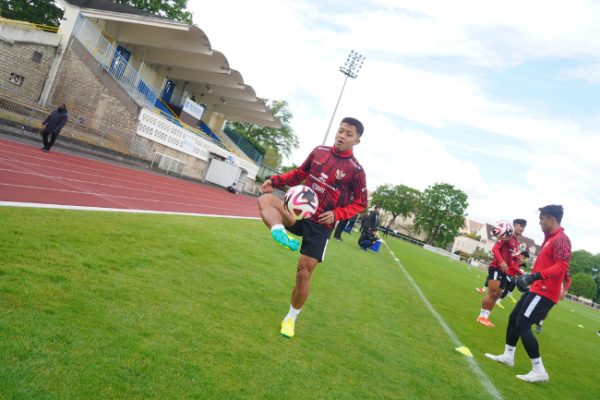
x: 583, y: 285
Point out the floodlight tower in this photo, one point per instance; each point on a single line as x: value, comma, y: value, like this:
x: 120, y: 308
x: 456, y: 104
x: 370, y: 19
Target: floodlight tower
x: 350, y: 69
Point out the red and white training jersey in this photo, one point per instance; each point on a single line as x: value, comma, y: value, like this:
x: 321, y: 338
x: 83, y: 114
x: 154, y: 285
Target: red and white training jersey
x: 553, y: 264
x: 504, y: 252
x: 335, y: 178
x: 515, y: 260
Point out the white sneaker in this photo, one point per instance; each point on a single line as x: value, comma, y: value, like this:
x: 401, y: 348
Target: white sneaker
x: 535, y: 377
x: 501, y: 359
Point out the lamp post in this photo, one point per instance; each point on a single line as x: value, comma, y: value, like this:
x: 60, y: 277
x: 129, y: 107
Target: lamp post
x: 350, y: 69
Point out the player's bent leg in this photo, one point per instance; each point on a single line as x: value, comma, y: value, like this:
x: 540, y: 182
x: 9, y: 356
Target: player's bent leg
x: 274, y: 216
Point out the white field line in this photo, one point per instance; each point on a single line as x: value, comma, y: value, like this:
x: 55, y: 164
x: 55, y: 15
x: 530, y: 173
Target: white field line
x: 82, y: 208
x: 485, y: 381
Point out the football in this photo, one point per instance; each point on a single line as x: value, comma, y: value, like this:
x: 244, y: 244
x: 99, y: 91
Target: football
x: 503, y: 230
x: 300, y: 202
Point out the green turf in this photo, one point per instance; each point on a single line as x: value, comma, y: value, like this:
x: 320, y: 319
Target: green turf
x: 570, y: 354
x: 127, y: 306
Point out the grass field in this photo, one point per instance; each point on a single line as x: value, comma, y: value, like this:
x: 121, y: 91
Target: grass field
x: 127, y: 306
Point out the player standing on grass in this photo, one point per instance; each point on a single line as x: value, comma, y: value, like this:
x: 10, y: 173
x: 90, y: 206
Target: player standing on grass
x: 504, y: 251
x: 546, y: 281
x: 329, y: 171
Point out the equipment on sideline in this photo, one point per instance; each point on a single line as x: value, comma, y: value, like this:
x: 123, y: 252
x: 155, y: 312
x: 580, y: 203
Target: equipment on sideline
x: 503, y: 230
x: 300, y: 202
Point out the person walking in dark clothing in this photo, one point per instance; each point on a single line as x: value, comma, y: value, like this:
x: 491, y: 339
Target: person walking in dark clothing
x: 338, y: 230
x: 368, y: 239
x: 53, y: 125
x: 370, y: 221
x: 387, y: 231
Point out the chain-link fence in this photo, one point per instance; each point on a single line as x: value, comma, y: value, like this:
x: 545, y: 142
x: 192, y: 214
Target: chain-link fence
x: 168, y: 164
x: 25, y: 109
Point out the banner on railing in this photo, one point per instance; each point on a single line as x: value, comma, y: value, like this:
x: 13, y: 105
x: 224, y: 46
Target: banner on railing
x: 195, y: 110
x: 160, y: 130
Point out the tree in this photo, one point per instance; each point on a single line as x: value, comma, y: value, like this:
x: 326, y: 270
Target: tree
x: 597, y: 280
x: 441, y: 212
x: 172, y: 9
x: 480, y: 255
x: 42, y: 12
x: 283, y: 139
x: 272, y: 158
x: 582, y: 261
x: 398, y: 200
x: 583, y: 285
x: 289, y: 168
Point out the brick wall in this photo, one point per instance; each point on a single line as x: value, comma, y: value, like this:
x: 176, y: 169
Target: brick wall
x: 16, y: 58
x: 84, y: 94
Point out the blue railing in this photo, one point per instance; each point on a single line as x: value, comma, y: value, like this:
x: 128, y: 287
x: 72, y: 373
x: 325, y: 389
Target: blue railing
x: 118, y: 67
x: 243, y: 144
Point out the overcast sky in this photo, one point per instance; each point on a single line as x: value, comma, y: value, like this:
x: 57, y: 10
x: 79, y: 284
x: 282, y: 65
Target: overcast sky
x: 499, y: 100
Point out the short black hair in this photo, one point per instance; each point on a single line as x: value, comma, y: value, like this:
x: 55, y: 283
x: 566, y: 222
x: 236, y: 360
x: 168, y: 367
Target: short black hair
x: 234, y: 184
x: 374, y: 229
x: 553, y: 210
x: 520, y: 222
x: 355, y: 123
x: 376, y: 207
x: 525, y: 253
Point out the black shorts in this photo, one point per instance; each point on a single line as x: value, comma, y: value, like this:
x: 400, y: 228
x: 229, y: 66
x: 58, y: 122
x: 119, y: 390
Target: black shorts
x: 533, y: 306
x: 314, y: 238
x: 511, y: 282
x: 497, y: 275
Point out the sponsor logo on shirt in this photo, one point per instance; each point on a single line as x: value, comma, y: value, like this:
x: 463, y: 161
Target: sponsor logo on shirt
x: 318, y: 188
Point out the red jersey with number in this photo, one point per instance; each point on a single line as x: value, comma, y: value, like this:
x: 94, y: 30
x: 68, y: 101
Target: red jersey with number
x: 335, y: 177
x: 553, y: 265
x: 504, y: 252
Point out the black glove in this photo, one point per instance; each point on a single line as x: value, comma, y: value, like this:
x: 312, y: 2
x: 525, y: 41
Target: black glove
x: 525, y: 280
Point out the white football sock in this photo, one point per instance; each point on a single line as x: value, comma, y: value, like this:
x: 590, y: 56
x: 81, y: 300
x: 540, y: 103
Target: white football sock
x: 485, y: 289
x: 537, y: 365
x: 482, y: 313
x: 278, y: 226
x: 509, y: 352
x: 293, y: 314
x: 487, y: 314
x: 509, y: 294
x: 541, y: 322
x: 499, y: 300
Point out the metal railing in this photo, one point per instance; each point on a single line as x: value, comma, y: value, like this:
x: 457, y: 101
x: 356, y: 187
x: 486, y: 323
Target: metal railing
x: 29, y: 25
x: 141, y: 92
x: 243, y: 144
x: 27, y: 110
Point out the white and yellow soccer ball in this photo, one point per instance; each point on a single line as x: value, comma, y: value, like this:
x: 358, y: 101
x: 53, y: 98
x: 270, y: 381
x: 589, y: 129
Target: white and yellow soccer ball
x: 300, y: 202
x: 503, y: 230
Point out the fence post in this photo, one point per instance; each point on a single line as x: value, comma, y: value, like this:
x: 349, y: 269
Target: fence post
x: 104, y: 134
x: 32, y: 113
x: 72, y: 127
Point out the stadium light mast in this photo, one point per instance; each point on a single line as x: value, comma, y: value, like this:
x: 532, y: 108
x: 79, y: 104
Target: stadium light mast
x: 350, y: 69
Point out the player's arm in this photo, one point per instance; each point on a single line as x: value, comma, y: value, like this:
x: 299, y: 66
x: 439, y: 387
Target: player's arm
x: 567, y: 282
x: 562, y: 255
x: 360, y: 198
x: 292, y: 178
x: 498, y: 256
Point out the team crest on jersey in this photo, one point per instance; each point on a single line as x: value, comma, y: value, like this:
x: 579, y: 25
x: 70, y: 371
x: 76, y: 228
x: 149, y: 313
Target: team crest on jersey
x: 340, y: 174
x: 317, y: 162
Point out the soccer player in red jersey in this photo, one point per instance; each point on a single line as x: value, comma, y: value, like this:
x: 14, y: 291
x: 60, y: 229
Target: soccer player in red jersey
x: 336, y: 176
x: 504, y: 252
x: 546, y: 281
x: 566, y: 286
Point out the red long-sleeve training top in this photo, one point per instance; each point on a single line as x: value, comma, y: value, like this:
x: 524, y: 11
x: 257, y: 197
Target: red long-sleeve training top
x: 504, y: 252
x: 330, y: 175
x: 553, y: 264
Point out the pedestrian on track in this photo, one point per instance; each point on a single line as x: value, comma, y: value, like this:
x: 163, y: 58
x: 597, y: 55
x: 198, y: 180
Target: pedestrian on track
x: 53, y: 125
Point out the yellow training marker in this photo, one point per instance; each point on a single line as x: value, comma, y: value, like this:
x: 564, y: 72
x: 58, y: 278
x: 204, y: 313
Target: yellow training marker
x: 581, y: 326
x: 396, y: 259
x: 464, y: 351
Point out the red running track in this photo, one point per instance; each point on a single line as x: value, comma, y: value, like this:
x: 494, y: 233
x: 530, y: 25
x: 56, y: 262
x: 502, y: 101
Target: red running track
x: 28, y: 175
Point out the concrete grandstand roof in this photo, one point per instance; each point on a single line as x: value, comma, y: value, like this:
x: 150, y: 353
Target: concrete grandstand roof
x: 233, y: 80
x: 108, y: 5
x: 174, y: 58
